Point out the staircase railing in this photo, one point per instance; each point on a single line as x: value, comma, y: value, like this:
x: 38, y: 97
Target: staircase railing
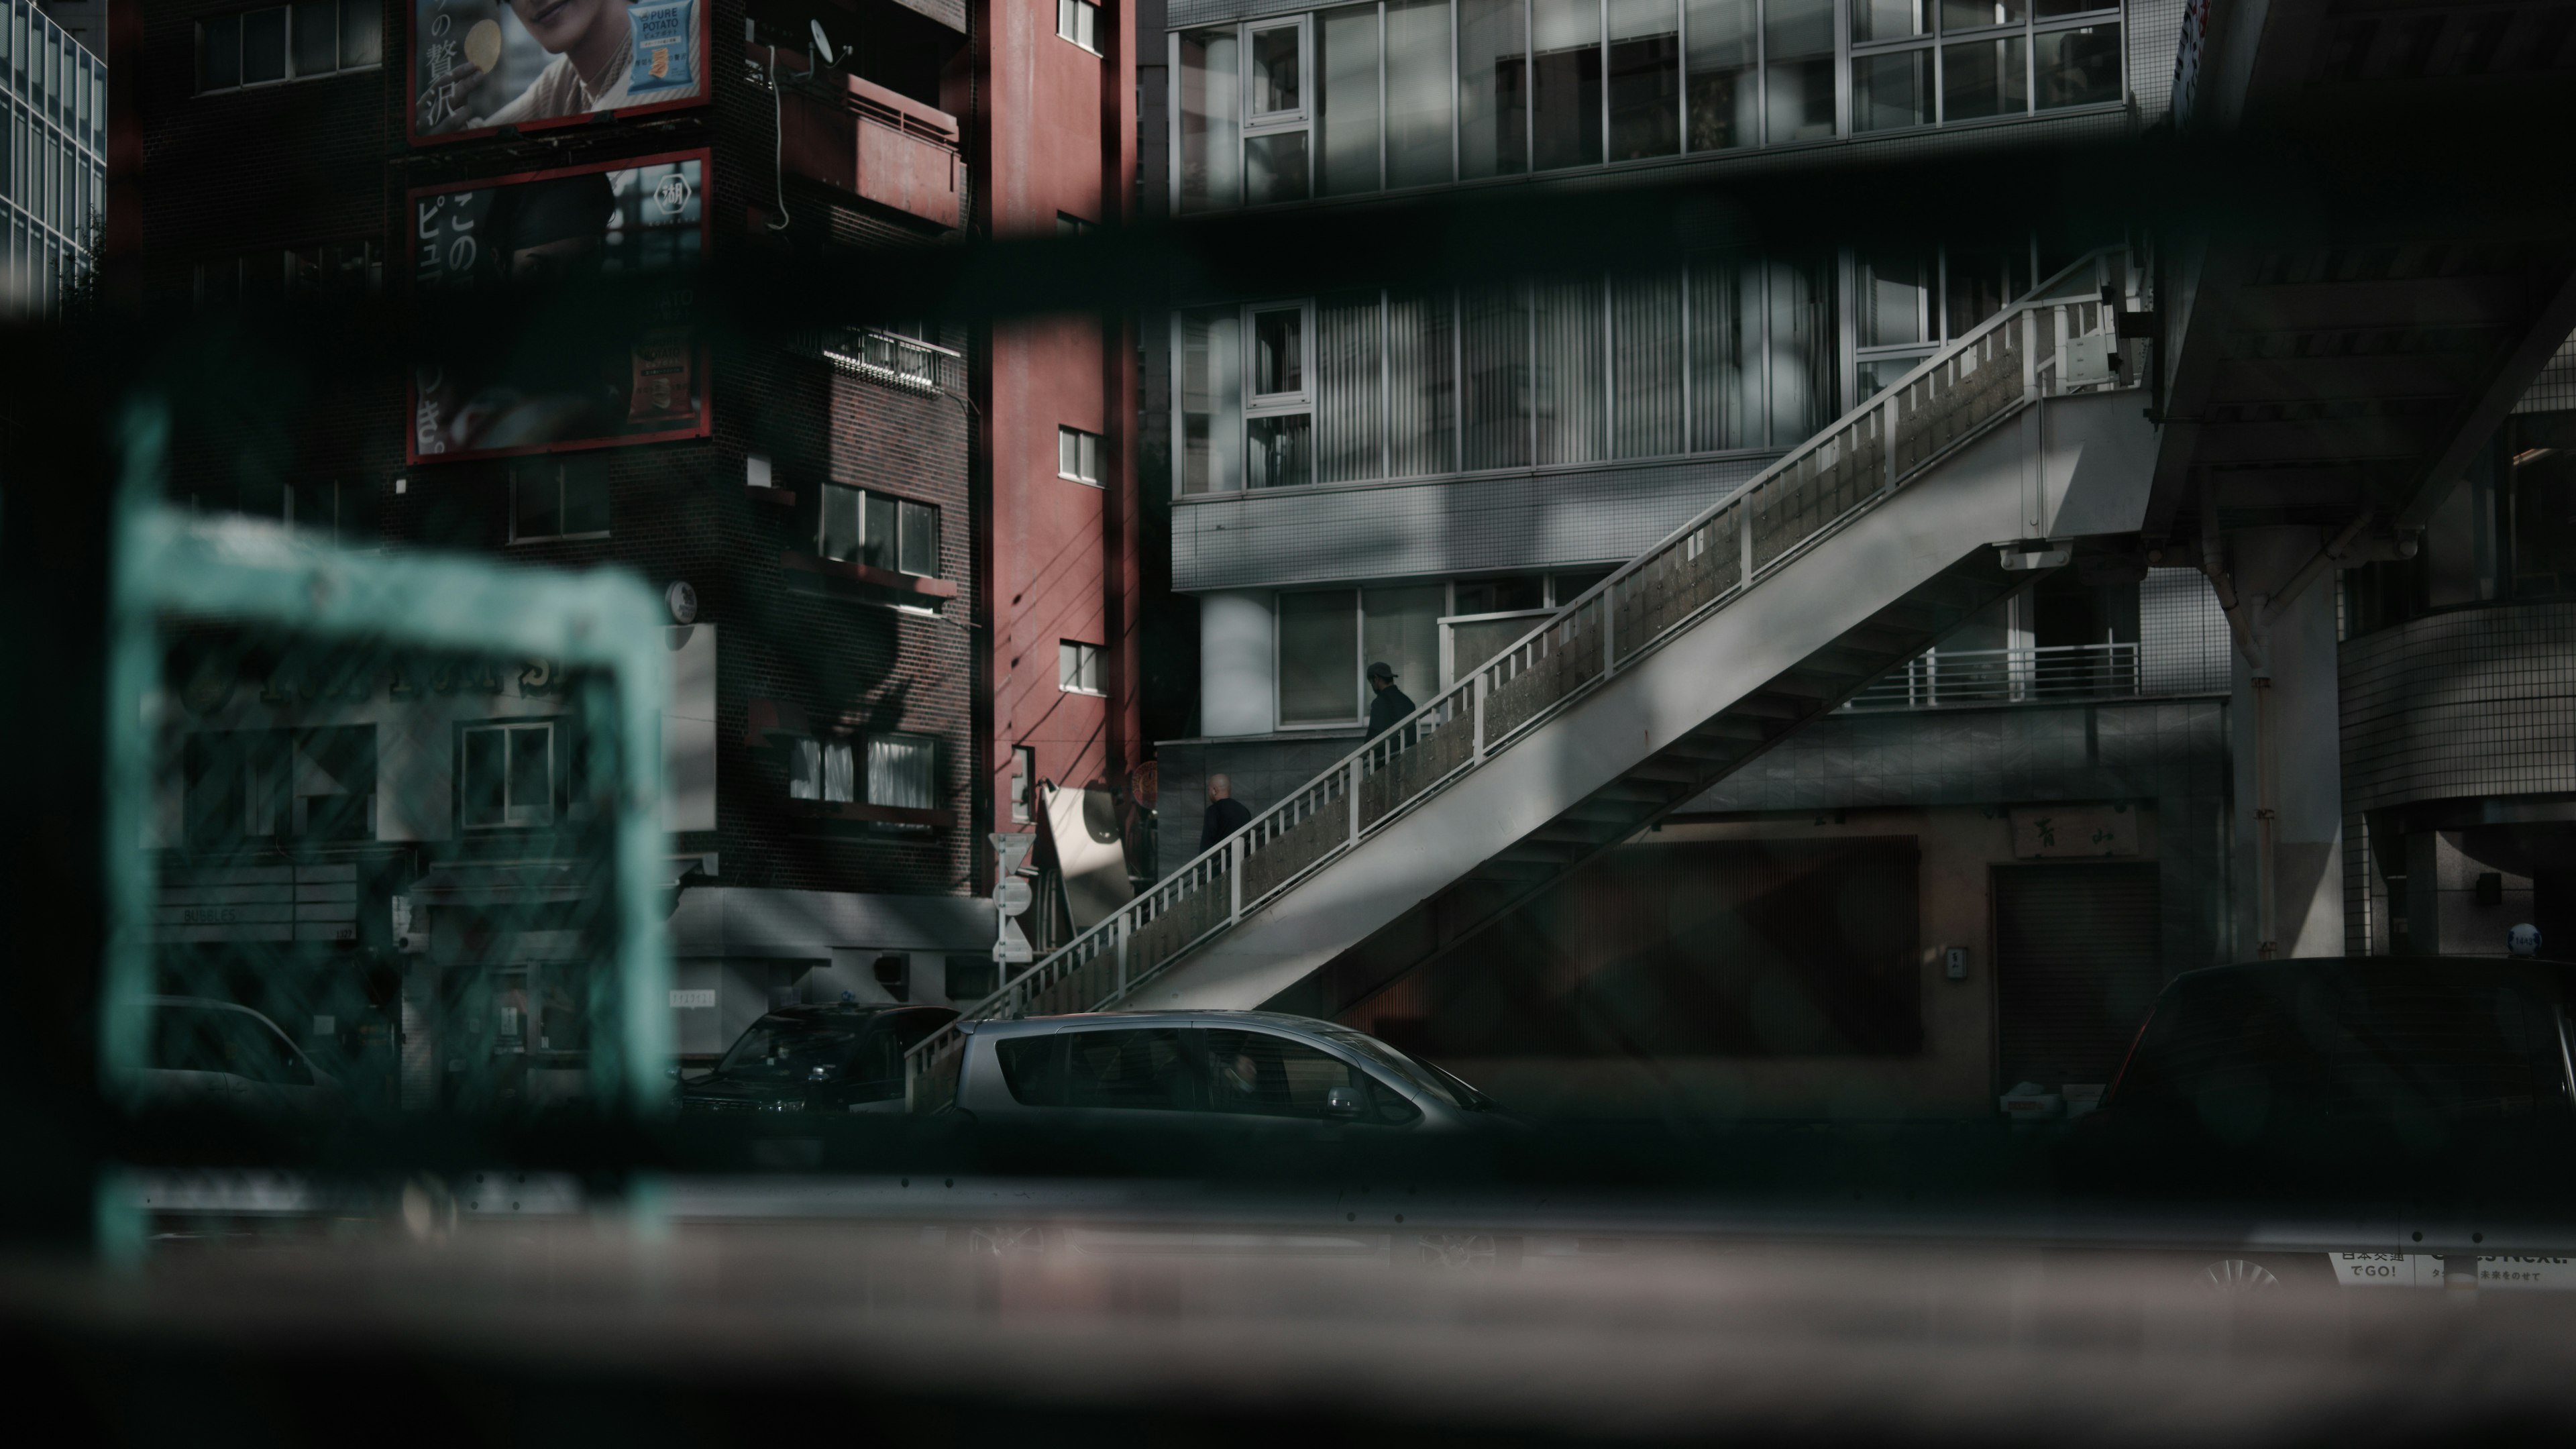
x: 1861, y: 459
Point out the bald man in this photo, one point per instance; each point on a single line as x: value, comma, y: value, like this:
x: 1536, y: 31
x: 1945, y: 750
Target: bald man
x: 1225, y: 814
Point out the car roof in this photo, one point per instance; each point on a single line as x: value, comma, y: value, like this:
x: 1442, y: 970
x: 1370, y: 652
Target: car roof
x: 2433, y: 968
x: 846, y: 1008
x: 1179, y: 1016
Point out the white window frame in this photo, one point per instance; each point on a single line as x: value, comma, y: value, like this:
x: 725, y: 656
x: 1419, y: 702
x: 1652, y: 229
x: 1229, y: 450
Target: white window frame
x: 1083, y: 16
x: 1074, y: 660
x: 1024, y: 773
x: 1266, y: 122
x: 1077, y: 455
x: 1267, y: 404
x: 513, y: 817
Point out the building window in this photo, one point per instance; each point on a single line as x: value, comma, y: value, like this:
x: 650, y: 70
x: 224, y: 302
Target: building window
x: 1079, y: 22
x: 558, y: 499
x: 1077, y: 455
x: 900, y: 774
x: 288, y: 42
x: 1024, y: 774
x: 899, y: 770
x: 1349, y: 99
x: 1077, y: 667
x: 328, y: 510
x: 823, y: 770
x: 880, y: 531
x: 1725, y: 354
x: 263, y: 785
x: 333, y: 269
x: 894, y: 354
x: 507, y: 779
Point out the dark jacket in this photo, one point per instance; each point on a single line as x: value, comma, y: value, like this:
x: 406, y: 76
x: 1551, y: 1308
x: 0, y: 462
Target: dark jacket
x: 1224, y: 817
x: 1390, y: 705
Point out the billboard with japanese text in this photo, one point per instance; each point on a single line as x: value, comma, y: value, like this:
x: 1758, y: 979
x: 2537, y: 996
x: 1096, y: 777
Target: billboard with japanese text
x: 570, y: 320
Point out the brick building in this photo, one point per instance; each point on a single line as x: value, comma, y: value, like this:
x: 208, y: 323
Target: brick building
x: 835, y: 511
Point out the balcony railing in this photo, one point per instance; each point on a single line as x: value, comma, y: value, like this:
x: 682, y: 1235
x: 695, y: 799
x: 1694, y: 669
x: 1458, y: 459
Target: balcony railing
x: 1973, y: 678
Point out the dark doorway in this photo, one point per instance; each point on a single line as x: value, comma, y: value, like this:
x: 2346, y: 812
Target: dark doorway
x: 2078, y: 960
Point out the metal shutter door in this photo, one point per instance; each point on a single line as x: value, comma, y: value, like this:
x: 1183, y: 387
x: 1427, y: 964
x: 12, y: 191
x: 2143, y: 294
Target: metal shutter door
x: 2076, y: 965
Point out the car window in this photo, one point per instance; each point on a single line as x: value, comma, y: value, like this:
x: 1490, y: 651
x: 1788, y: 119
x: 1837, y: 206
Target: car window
x: 186, y: 1039
x: 255, y: 1051
x: 1147, y: 1069
x: 789, y: 1048
x: 880, y: 1059
x: 1260, y: 1074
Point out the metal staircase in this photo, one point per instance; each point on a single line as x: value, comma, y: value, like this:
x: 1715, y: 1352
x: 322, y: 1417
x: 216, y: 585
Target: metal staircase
x: 1774, y: 606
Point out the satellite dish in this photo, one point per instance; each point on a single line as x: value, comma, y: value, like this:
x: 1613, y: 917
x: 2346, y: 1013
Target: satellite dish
x: 824, y: 54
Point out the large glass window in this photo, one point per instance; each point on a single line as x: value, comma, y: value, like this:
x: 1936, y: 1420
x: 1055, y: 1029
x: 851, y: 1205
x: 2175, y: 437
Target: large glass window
x: 1877, y: 20
x: 1566, y: 87
x: 1279, y: 431
x: 1276, y: 148
x: 1422, y: 384
x: 1646, y: 365
x: 2078, y: 67
x: 1985, y: 78
x: 1798, y: 60
x: 1725, y: 301
x: 1210, y: 385
x: 1346, y: 111
x: 1418, y: 62
x: 1401, y: 629
x: 1645, y: 79
x: 1895, y: 296
x: 1570, y: 380
x: 1319, y: 669
x: 551, y: 499
x: 1494, y: 343
x: 1350, y: 395
x: 1891, y: 90
x: 1210, y: 110
x: 1725, y: 87
x: 1493, y: 88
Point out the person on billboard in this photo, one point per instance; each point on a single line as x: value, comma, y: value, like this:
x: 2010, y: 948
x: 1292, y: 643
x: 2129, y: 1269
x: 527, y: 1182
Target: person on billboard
x: 595, y: 65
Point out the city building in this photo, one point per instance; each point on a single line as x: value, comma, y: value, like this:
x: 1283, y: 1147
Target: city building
x: 57, y: 178
x: 1973, y: 873
x: 1053, y: 121
x: 825, y: 507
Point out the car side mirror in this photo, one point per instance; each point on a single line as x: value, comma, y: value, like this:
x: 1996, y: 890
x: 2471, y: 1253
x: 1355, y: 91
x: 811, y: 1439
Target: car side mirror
x: 1344, y: 1102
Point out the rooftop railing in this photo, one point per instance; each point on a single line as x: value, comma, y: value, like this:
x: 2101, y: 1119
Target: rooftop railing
x: 1863, y: 458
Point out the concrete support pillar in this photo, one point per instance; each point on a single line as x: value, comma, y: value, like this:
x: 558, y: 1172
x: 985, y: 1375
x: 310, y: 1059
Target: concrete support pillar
x: 2457, y: 904
x: 2287, y: 727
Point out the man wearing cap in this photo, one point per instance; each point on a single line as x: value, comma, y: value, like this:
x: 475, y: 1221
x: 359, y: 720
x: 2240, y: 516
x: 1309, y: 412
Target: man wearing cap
x: 1391, y: 703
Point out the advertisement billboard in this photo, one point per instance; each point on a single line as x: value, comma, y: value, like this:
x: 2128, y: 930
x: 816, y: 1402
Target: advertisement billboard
x: 534, y: 361
x: 480, y: 65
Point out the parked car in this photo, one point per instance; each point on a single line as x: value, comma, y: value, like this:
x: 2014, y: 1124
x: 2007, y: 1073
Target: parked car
x: 209, y: 1054
x: 842, y: 1057
x: 1182, y: 1069
x: 2403, y: 1075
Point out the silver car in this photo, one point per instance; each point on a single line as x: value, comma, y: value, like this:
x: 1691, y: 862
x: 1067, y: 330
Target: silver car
x: 1179, y: 1068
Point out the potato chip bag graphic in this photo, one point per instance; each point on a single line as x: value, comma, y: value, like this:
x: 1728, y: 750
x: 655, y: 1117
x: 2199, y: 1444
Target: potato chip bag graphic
x: 666, y: 32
